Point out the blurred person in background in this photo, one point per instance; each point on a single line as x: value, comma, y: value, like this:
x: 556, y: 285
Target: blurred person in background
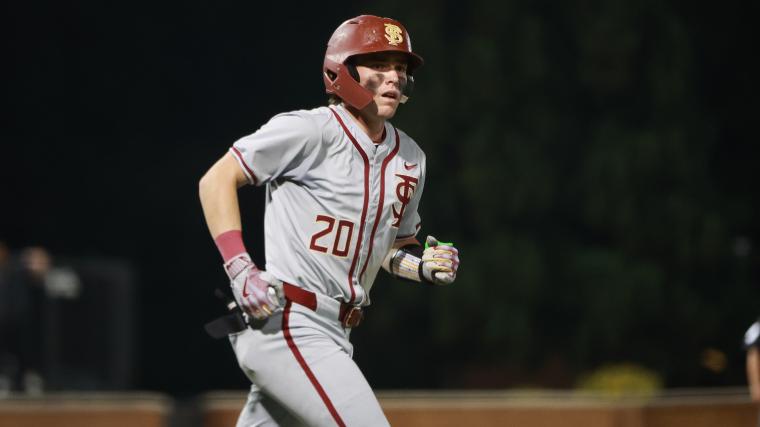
x: 22, y: 291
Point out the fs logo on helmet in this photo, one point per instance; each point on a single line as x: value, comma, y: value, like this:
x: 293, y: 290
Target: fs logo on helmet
x: 393, y: 34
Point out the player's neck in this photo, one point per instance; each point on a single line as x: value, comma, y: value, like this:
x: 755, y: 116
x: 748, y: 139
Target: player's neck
x: 374, y: 127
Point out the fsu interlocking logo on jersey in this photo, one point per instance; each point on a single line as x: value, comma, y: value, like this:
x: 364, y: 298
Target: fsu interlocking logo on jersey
x: 404, y: 192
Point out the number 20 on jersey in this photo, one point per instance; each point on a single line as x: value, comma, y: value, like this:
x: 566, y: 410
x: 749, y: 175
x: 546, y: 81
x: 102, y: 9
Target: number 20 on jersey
x: 334, y: 237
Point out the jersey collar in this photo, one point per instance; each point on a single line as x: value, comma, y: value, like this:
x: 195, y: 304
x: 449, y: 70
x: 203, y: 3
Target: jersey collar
x: 361, y: 135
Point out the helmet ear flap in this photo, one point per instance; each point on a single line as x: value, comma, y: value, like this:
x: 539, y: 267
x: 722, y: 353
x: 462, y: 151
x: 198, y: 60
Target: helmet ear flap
x: 342, y: 82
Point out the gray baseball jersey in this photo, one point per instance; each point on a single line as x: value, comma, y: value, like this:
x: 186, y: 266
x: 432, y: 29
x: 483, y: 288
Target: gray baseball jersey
x: 335, y: 200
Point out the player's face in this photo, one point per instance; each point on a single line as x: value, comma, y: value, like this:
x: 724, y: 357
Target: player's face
x: 384, y: 74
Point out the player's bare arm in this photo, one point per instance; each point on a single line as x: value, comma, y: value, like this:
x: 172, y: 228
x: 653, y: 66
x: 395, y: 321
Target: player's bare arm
x: 251, y: 286
x: 218, y: 194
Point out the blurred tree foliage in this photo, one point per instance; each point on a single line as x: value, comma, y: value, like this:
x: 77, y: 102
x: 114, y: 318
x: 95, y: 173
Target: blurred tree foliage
x: 577, y: 158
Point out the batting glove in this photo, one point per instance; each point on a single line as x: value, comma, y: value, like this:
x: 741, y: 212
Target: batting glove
x: 440, y: 262
x: 255, y: 291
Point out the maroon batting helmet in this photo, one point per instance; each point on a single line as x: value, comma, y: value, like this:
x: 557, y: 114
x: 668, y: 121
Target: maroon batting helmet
x: 361, y: 35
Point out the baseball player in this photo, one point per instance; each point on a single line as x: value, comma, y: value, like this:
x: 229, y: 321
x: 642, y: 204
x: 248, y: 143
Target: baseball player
x: 343, y: 188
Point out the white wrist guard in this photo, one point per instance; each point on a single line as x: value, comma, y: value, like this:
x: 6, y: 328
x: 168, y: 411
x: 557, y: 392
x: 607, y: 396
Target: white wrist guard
x: 405, y: 264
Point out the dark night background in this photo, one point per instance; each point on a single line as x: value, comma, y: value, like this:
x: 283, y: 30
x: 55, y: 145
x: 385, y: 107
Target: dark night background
x: 595, y: 161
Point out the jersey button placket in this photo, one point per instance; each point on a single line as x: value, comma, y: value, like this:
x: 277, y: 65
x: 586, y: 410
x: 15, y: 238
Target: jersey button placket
x: 374, y: 189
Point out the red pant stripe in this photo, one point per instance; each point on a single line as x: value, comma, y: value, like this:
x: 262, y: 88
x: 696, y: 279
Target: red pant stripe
x: 305, y: 367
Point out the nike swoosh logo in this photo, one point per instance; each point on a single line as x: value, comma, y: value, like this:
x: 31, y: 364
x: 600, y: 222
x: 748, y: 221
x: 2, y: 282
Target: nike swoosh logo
x: 410, y: 166
x: 245, y: 289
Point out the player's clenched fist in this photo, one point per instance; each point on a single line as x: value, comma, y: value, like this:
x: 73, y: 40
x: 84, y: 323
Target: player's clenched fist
x: 440, y: 262
x: 253, y: 289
